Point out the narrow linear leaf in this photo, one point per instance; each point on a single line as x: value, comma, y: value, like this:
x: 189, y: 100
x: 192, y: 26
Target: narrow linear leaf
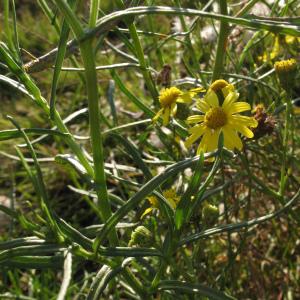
x: 101, y: 280
x: 34, y: 262
x: 111, y: 101
x: 241, y: 225
x: 190, y: 288
x: 148, y: 188
x: 15, y: 133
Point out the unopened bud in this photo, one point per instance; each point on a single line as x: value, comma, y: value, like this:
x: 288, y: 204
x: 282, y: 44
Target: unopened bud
x: 210, y: 214
x: 141, y: 236
x: 286, y: 71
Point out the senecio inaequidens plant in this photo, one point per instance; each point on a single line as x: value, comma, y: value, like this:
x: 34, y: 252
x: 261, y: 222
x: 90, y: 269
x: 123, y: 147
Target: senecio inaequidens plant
x: 147, y: 193
x: 218, y: 112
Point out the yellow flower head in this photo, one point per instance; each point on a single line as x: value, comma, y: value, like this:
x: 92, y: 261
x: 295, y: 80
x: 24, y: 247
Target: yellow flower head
x: 172, y: 197
x: 218, y: 118
x: 289, y: 39
x: 286, y: 71
x: 285, y: 66
x: 168, y: 99
x: 153, y: 201
x: 169, y: 194
x: 267, y: 56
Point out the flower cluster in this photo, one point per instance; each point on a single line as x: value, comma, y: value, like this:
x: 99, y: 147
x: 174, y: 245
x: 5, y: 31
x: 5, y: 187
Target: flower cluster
x: 218, y: 112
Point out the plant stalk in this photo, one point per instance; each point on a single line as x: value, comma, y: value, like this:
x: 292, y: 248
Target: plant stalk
x: 222, y: 43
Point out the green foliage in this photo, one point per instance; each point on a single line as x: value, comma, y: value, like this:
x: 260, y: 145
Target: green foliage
x: 86, y: 210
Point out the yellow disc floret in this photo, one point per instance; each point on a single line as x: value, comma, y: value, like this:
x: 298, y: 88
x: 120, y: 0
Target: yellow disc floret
x: 285, y: 66
x: 169, y: 96
x: 286, y: 71
x: 215, y: 118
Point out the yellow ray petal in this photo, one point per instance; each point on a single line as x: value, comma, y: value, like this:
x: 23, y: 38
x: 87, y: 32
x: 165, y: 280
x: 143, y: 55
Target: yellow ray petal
x: 227, y: 89
x: 203, y: 144
x: 195, y: 119
x: 195, y: 91
x: 229, y: 100
x: 237, y: 107
x: 173, y: 109
x: 158, y: 114
x: 231, y: 139
x: 198, y: 131
x: 196, y: 128
x: 184, y: 98
x: 244, y: 131
x: 203, y: 106
x: 166, y: 116
x: 211, y: 98
x: 213, y: 141
x: 146, y: 212
x: 243, y: 120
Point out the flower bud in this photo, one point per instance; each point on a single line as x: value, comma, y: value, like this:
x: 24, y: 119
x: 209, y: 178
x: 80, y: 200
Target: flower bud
x: 142, y: 237
x: 210, y: 214
x: 286, y: 71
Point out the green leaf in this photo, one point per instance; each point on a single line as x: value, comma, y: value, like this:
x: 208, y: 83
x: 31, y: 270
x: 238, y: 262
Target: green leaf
x: 28, y: 241
x: 134, y: 153
x: 101, y: 280
x: 34, y: 262
x: 144, y: 191
x: 190, y: 288
x: 61, y: 50
x: 238, y: 226
x: 184, y: 204
x: 32, y: 250
x: 111, y: 101
x: 136, y: 101
x: 15, y: 133
x: 38, y: 181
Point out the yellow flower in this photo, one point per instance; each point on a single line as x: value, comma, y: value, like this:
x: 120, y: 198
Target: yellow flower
x: 289, y: 39
x: 168, y: 99
x: 169, y: 194
x: 267, y: 56
x: 218, y: 118
x: 286, y: 71
x: 285, y: 66
x: 172, y: 197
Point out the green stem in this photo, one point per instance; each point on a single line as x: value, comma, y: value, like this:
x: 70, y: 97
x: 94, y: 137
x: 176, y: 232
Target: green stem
x: 140, y: 55
x: 190, y: 46
x: 144, y: 65
x: 228, y: 271
x: 222, y: 40
x: 7, y: 27
x: 72, y: 143
x: 135, y: 283
x: 284, y: 173
x: 88, y: 59
x: 94, y: 8
x: 32, y: 88
x: 95, y: 131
